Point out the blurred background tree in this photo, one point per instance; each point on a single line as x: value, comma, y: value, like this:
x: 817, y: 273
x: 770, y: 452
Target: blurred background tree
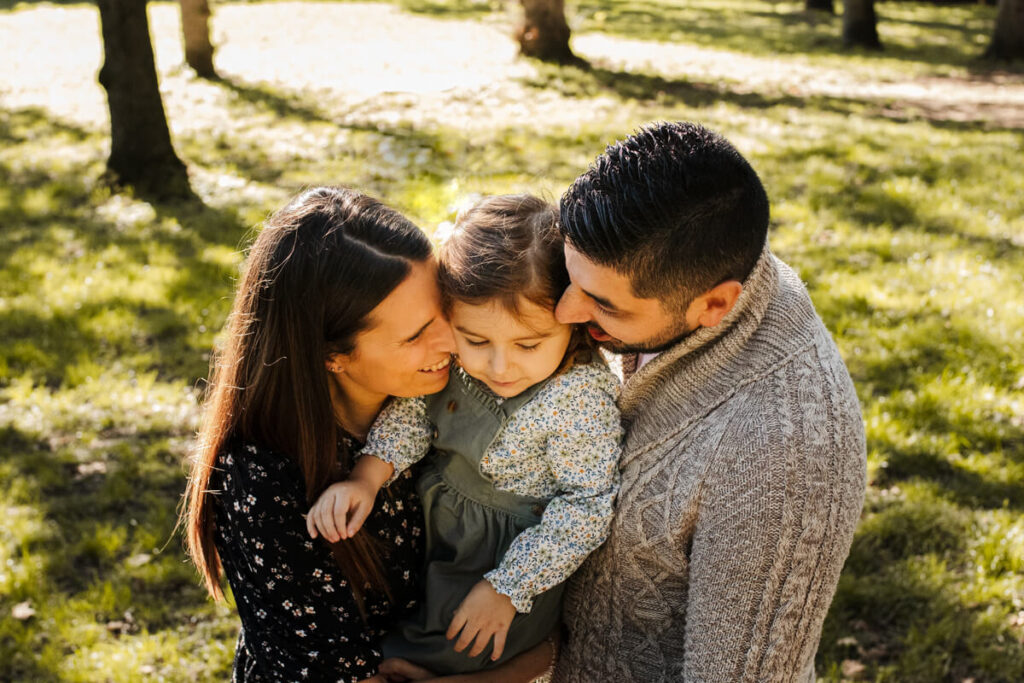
x: 860, y: 25
x: 544, y: 33
x: 141, y: 152
x: 896, y: 192
x: 821, y: 6
x: 1008, y: 35
x: 195, y: 28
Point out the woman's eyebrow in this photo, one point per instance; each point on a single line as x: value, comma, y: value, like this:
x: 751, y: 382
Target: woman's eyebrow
x: 420, y: 331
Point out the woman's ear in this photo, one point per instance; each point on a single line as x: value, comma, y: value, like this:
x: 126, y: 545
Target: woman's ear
x: 336, y: 362
x: 708, y: 309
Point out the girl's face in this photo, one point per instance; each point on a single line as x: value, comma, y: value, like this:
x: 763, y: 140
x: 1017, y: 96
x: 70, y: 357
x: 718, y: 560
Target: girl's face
x: 407, y: 346
x: 509, y: 353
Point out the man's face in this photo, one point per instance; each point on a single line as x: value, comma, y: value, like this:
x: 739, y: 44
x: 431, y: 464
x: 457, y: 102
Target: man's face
x: 603, y: 299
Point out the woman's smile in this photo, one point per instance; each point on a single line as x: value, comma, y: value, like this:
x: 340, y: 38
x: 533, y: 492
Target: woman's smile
x: 441, y: 366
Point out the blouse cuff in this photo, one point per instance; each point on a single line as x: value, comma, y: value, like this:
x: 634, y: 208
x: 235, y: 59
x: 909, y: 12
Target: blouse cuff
x: 506, y: 585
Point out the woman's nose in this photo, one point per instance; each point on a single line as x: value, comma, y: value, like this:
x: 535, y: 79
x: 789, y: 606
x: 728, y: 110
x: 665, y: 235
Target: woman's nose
x: 444, y: 338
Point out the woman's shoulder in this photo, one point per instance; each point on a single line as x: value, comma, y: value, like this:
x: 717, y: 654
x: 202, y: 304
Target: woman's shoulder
x: 244, y: 466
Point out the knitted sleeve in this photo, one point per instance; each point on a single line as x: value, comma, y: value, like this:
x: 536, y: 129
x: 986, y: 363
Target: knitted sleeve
x: 400, y: 435
x: 582, y: 453
x: 775, y: 520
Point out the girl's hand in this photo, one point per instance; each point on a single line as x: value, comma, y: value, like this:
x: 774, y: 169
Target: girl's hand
x: 484, y: 613
x: 340, y: 510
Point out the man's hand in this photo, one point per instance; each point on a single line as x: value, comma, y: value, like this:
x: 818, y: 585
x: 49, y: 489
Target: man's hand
x: 484, y: 613
x: 340, y: 511
x: 401, y: 671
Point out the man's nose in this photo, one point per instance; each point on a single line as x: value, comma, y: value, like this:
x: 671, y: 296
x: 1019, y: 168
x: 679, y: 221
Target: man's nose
x: 572, y: 307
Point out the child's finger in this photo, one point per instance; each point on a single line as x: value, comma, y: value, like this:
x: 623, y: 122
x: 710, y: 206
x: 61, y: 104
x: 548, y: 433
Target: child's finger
x: 469, y: 632
x: 311, y: 525
x: 480, y: 644
x: 359, y: 515
x: 458, y: 621
x: 340, y: 513
x: 499, y: 643
x: 325, y: 522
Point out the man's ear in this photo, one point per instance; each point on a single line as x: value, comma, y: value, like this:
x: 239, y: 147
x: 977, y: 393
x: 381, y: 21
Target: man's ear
x: 708, y: 309
x: 337, y: 362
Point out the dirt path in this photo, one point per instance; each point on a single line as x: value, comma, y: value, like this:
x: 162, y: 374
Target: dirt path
x: 373, y: 63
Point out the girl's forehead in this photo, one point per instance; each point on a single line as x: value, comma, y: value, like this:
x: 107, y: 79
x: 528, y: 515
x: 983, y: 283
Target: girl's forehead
x: 495, y: 320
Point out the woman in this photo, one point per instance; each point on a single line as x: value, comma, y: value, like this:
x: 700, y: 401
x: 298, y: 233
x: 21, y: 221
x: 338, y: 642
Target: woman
x: 337, y: 311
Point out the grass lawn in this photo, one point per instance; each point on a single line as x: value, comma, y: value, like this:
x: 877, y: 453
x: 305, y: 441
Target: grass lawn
x: 905, y: 221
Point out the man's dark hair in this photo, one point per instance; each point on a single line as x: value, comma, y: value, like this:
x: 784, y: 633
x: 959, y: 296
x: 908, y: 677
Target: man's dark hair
x: 674, y: 207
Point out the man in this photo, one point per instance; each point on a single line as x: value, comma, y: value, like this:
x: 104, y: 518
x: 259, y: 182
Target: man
x: 743, y: 469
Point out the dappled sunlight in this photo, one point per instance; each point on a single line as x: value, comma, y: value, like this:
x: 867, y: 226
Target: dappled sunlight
x: 896, y: 194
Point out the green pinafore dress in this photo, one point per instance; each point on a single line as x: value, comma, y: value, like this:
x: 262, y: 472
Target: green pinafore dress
x: 469, y: 526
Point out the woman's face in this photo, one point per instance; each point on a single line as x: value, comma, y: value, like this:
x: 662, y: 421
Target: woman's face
x: 406, y: 348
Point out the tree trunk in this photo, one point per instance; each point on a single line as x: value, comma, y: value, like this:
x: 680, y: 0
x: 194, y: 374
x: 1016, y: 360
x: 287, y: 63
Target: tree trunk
x: 141, y: 153
x: 545, y: 33
x: 195, y: 26
x: 821, y: 6
x: 860, y: 27
x: 1008, y: 36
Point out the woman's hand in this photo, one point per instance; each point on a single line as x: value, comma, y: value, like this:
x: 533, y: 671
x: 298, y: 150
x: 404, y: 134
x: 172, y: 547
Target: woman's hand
x: 484, y: 613
x: 340, y: 510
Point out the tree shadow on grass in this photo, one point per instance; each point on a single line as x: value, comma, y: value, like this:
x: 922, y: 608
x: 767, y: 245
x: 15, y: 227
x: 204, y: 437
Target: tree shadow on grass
x: 905, y: 599
x: 750, y: 29
x: 50, y: 215
x: 931, y: 432
x: 869, y: 203
x: 104, y: 557
x: 296, y: 105
x: 910, y: 613
x: 957, y: 483
x: 584, y: 80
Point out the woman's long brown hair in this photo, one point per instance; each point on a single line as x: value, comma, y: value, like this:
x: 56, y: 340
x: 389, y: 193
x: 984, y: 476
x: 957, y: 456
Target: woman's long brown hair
x: 315, y: 272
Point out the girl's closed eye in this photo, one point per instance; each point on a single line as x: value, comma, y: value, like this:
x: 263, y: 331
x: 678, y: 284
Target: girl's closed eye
x: 476, y: 342
x: 528, y: 347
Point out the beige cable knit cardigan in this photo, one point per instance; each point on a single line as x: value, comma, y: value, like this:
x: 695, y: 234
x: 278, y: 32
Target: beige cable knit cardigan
x: 743, y: 477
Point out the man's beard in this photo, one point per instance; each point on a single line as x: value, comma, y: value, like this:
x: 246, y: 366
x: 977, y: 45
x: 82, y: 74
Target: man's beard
x: 666, y: 340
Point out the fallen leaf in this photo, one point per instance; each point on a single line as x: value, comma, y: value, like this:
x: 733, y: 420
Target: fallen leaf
x: 23, y: 611
x: 138, y: 560
x: 88, y: 468
x: 851, y: 668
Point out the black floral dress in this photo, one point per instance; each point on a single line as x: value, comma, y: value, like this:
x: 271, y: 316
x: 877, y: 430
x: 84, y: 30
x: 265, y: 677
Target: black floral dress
x: 299, y: 617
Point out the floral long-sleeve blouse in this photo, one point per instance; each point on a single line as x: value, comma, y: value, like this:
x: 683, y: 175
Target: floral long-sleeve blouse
x: 563, y: 444
x: 299, y: 617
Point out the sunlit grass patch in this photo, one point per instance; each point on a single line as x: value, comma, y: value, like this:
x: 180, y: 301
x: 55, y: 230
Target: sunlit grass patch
x: 919, y: 37
x: 907, y: 233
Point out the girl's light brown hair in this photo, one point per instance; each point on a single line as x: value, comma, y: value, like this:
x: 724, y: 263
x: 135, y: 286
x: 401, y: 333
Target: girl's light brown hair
x: 508, y: 248
x: 315, y: 272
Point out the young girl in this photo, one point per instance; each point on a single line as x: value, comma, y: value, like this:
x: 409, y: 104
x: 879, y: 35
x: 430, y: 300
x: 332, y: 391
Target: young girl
x: 518, y: 489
